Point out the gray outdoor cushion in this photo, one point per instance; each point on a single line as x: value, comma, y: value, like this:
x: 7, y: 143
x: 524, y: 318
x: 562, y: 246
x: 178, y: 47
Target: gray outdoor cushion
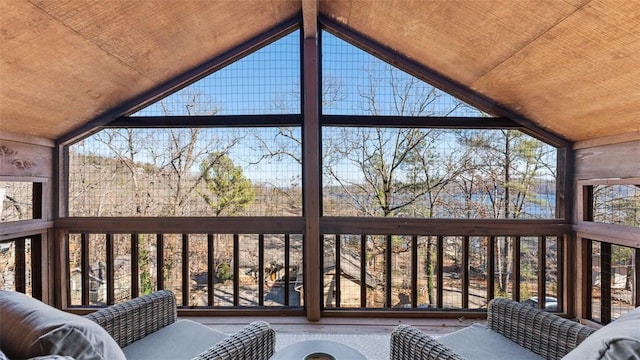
x: 618, y: 340
x: 183, y: 339
x: 30, y: 328
x: 479, y: 342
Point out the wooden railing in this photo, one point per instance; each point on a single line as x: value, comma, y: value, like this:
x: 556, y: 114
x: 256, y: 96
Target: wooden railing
x: 249, y: 263
x: 255, y: 264
x: 21, y: 266
x: 415, y: 265
x: 613, y: 284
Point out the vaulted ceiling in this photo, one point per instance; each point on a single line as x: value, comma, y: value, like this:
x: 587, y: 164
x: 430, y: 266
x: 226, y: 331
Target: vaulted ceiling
x: 570, y: 66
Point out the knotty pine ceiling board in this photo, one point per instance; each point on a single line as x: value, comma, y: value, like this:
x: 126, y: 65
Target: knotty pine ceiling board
x: 460, y: 39
x: 51, y: 79
x: 160, y: 38
x: 572, y: 66
x: 581, y: 79
x: 567, y: 65
x: 66, y: 63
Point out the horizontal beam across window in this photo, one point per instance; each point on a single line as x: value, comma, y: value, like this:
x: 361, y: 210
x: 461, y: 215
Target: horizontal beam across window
x: 329, y: 120
x: 420, y: 122
x: 206, y: 121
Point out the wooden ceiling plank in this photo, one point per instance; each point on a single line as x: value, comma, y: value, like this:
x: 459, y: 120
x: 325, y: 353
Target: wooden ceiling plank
x: 95, y: 57
x: 571, y: 66
x: 57, y: 79
x: 165, y: 88
x: 463, y: 39
x: 577, y: 74
x: 339, y: 11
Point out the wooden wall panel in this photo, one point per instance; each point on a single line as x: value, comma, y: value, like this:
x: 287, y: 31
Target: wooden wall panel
x: 609, y: 160
x: 29, y: 158
x: 618, y: 160
x: 25, y: 160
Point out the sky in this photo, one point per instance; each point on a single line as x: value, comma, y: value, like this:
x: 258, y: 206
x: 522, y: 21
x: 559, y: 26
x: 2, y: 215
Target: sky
x: 268, y: 82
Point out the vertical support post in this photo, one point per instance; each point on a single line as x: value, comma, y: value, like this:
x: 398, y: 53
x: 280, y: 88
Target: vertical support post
x: 414, y: 271
x: 636, y: 277
x: 516, y: 266
x: 261, y: 270
x: 561, y: 275
x: 387, y: 271
x: 37, y: 265
x: 542, y: 271
x: 580, y: 281
x: 587, y: 203
x: 210, y: 269
x: 185, y: 270
x: 465, y: 272
x: 439, y: 270
x: 586, y: 303
x: 605, y: 283
x: 311, y: 178
x: 110, y: 269
x: 287, y: 264
x: 20, y: 269
x: 564, y: 184
x: 61, y: 272
x: 579, y: 260
x: 236, y: 269
x: 363, y: 271
x: 61, y: 196
x: 59, y: 292
x: 160, y: 261
x: 491, y: 268
x: 86, y: 270
x: 135, y: 270
x: 338, y: 271
x: 37, y: 195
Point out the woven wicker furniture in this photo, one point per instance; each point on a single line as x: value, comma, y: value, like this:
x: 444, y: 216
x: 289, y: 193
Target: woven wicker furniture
x: 524, y: 333
x: 142, y: 328
x: 140, y: 318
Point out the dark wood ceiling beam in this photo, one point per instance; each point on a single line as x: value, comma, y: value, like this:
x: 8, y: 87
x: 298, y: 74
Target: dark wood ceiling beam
x: 327, y: 120
x: 310, y: 18
x: 311, y: 175
x: 206, y: 121
x: 421, y: 122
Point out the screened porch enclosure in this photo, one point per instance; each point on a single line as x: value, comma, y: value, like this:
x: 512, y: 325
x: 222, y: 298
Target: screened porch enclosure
x: 397, y: 157
x: 312, y: 178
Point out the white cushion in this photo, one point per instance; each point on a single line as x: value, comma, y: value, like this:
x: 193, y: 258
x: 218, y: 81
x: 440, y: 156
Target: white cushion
x: 30, y: 328
x: 183, y: 339
x: 618, y: 340
x: 479, y: 342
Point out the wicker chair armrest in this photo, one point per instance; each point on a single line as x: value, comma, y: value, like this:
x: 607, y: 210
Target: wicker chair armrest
x: 256, y: 341
x: 544, y: 333
x: 407, y: 343
x: 134, y: 319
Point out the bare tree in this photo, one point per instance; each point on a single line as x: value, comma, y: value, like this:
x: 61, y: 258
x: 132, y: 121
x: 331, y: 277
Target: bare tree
x: 394, y: 171
x: 173, y: 167
x: 501, y: 183
x: 148, y: 172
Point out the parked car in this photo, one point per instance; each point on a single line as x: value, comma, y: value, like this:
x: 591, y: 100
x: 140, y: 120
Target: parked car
x: 550, y: 303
